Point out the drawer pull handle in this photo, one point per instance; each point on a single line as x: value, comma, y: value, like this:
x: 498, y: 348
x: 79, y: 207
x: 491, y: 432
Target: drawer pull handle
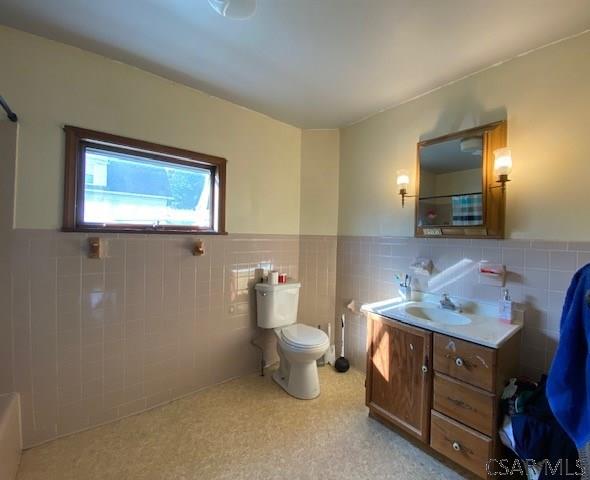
x: 460, y: 403
x: 459, y: 362
x: 424, y: 369
x: 456, y: 446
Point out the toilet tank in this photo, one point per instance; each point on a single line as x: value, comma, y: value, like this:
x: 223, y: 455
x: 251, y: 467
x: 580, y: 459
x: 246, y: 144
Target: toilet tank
x: 276, y: 305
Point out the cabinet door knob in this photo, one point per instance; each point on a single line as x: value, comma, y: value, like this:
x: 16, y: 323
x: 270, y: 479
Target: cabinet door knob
x: 459, y: 361
x: 456, y: 446
x: 424, y: 369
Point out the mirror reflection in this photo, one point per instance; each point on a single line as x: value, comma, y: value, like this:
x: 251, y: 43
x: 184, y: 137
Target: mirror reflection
x: 451, y: 182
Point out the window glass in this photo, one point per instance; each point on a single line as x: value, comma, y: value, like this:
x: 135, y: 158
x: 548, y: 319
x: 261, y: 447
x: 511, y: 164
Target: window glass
x: 128, y: 189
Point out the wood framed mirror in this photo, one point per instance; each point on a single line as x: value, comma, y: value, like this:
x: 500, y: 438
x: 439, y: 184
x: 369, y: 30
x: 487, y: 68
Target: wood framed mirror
x: 457, y: 195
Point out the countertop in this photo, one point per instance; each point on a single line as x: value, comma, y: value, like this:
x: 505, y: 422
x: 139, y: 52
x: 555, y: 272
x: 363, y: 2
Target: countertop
x: 485, y: 328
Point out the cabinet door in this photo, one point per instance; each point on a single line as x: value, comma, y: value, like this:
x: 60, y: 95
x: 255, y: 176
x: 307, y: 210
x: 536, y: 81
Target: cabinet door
x: 399, y: 375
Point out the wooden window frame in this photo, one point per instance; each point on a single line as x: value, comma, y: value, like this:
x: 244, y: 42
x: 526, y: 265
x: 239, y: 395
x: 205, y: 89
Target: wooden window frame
x: 77, y: 139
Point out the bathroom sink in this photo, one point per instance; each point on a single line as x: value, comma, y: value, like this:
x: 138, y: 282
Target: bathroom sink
x: 437, y: 315
x: 427, y: 312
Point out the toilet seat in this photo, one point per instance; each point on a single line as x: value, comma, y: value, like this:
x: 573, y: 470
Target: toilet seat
x: 303, y: 337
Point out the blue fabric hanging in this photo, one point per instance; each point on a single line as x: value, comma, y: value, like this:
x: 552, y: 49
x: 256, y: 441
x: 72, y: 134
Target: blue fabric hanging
x: 568, y: 385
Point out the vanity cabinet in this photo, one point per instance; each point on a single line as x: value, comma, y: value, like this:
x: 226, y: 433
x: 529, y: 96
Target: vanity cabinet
x: 398, y: 380
x: 442, y: 390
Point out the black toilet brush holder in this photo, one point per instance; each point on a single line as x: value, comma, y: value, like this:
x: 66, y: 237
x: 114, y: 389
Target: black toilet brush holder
x: 342, y: 365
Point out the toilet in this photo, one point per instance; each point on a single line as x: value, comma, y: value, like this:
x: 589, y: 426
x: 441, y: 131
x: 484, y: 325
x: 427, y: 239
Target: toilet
x: 298, y: 345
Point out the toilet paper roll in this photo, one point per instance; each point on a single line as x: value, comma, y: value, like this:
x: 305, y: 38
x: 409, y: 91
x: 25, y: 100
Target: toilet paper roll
x: 273, y: 277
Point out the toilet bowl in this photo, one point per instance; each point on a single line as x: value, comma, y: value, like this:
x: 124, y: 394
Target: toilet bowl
x: 299, y: 347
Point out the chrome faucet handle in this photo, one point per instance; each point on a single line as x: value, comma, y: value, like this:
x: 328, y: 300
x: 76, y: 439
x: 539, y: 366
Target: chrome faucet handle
x: 447, y: 303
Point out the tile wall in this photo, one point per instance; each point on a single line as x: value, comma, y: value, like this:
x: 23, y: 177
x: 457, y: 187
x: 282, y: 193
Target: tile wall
x: 539, y: 273
x: 95, y: 340
x: 317, y: 271
x: 91, y: 341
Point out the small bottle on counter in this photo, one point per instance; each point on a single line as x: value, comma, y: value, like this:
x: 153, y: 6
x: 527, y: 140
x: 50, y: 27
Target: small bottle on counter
x: 505, y: 307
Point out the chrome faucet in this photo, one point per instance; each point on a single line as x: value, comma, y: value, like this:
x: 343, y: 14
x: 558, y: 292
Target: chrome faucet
x: 447, y: 303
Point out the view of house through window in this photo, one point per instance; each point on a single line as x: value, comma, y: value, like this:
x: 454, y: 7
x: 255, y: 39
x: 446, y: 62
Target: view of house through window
x: 131, y: 190
x: 119, y: 184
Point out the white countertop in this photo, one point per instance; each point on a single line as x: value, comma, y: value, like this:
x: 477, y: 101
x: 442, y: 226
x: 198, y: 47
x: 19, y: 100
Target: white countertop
x: 485, y: 328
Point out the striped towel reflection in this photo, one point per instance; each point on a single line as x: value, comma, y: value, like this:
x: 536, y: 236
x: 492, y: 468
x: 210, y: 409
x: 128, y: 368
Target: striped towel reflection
x: 467, y: 209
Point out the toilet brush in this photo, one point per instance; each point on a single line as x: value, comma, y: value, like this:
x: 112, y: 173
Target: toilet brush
x: 331, y: 354
x: 342, y: 364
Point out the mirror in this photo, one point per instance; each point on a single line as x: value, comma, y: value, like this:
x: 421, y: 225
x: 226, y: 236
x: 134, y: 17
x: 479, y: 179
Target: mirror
x: 451, y: 187
x: 456, y: 193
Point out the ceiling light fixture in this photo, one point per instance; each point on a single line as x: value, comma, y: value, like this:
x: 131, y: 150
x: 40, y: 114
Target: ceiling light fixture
x: 471, y: 145
x: 234, y: 9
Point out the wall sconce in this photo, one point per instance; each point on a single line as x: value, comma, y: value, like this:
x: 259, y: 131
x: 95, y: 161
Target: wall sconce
x: 403, y: 180
x: 502, y: 166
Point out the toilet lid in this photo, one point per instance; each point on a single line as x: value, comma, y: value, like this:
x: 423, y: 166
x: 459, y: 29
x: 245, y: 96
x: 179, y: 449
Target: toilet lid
x: 302, y: 336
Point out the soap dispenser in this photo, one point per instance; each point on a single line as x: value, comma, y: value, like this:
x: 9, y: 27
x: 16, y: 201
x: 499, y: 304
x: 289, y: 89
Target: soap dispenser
x: 505, y: 307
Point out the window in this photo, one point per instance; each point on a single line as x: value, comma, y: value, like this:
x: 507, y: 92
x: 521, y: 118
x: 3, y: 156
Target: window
x: 117, y: 184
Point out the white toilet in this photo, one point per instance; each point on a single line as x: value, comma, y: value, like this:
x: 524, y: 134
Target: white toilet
x: 298, y: 345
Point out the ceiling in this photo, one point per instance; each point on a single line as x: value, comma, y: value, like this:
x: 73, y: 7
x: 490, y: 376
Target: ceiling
x: 447, y: 157
x: 310, y: 63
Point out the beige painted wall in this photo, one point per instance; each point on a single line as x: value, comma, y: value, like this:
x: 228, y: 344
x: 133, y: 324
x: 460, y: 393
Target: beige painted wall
x: 462, y: 181
x: 319, y: 182
x: 49, y: 84
x: 545, y: 96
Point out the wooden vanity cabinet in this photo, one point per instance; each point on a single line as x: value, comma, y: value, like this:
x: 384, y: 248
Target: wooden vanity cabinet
x: 399, y: 375
x: 442, y: 390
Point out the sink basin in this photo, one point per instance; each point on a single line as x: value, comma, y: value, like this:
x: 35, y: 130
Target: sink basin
x: 437, y: 315
x: 428, y: 312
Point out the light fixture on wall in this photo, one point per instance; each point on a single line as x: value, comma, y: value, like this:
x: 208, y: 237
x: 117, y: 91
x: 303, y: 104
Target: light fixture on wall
x: 234, y: 9
x: 471, y: 145
x: 403, y: 181
x: 502, y: 166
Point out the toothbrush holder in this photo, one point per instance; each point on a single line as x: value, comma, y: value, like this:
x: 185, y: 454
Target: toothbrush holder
x: 405, y: 292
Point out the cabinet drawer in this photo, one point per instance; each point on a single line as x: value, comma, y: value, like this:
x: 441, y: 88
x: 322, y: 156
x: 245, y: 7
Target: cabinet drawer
x: 466, y: 361
x: 465, y: 446
x: 472, y: 406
